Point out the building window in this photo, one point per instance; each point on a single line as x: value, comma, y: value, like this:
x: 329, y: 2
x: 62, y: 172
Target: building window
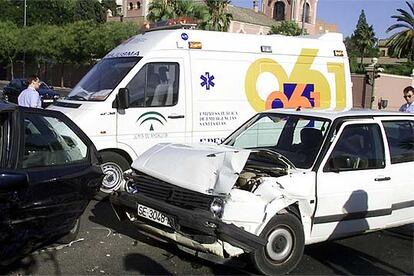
x: 307, y: 13
x: 131, y: 6
x: 279, y: 11
x: 138, y: 5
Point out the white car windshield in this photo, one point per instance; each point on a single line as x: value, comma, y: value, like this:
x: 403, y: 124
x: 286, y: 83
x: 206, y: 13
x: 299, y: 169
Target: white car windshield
x: 294, y: 137
x: 99, y: 82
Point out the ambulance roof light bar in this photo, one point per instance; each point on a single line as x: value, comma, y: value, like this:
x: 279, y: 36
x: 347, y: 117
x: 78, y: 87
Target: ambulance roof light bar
x: 170, y: 24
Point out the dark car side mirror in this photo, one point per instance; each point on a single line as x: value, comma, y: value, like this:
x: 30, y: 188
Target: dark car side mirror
x: 12, y: 181
x: 122, y: 99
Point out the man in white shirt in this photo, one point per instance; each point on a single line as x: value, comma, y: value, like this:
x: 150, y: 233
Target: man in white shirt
x: 30, y: 97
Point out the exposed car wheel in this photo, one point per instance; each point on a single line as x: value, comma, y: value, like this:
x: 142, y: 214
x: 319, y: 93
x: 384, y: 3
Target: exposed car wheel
x: 73, y: 233
x: 113, y: 167
x: 284, y: 248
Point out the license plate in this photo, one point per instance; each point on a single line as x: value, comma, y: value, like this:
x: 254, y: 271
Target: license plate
x: 47, y: 101
x: 154, y: 215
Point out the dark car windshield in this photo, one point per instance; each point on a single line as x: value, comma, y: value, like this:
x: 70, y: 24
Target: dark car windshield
x: 99, y: 82
x: 298, y: 138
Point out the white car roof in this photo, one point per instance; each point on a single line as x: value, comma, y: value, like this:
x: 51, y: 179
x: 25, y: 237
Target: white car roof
x: 335, y: 114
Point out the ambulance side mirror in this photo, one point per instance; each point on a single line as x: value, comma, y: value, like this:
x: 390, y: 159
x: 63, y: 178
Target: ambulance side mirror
x: 122, y: 99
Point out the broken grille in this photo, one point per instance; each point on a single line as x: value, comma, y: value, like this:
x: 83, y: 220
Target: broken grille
x: 163, y: 191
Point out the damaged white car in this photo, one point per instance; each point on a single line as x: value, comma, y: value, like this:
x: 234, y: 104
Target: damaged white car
x: 283, y: 180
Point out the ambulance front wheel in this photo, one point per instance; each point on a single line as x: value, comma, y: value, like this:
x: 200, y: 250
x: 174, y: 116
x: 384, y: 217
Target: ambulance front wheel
x: 284, y: 248
x: 113, y: 166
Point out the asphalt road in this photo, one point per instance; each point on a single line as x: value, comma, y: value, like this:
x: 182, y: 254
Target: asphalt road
x: 106, y: 246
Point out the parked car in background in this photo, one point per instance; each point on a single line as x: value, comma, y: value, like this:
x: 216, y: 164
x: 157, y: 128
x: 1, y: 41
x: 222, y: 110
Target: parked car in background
x: 283, y: 180
x: 12, y: 91
x: 49, y: 171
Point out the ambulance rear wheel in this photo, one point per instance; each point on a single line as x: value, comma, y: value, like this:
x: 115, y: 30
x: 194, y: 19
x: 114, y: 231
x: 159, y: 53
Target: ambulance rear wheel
x: 284, y: 248
x: 113, y: 167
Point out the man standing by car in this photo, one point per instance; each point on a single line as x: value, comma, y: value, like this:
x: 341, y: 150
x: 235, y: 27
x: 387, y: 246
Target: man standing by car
x: 30, y: 97
x: 409, y: 98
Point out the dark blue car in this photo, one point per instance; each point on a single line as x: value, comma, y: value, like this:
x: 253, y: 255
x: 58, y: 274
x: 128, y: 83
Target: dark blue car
x: 12, y: 91
x: 49, y: 171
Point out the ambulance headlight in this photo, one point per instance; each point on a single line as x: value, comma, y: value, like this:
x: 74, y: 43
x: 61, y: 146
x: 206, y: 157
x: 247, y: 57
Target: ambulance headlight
x: 217, y: 207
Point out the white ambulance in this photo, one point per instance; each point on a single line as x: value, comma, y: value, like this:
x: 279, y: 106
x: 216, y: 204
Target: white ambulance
x: 184, y: 85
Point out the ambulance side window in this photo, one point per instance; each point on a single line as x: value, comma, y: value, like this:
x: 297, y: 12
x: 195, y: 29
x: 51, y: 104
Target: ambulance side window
x: 155, y: 85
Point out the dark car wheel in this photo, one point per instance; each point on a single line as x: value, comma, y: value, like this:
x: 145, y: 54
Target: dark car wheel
x: 73, y: 233
x: 284, y: 248
x: 113, y: 167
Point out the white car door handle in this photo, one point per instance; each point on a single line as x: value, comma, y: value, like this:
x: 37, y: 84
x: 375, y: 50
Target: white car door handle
x: 175, y: 116
x: 386, y: 178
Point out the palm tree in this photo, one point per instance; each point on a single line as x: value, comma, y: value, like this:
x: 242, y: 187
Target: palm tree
x: 169, y: 9
x: 402, y: 43
x: 219, y: 17
x: 187, y: 8
x: 160, y: 10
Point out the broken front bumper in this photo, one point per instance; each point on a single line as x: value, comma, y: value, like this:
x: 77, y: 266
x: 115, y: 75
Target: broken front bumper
x: 193, y: 225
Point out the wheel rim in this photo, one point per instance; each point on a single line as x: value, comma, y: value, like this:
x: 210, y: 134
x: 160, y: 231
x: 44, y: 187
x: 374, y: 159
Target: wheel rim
x: 113, y: 176
x: 279, y: 244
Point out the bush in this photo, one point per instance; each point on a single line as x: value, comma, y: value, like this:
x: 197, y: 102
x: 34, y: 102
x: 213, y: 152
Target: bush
x: 402, y: 69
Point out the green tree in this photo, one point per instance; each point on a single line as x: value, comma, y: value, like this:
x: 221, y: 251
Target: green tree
x: 79, y: 43
x: 185, y: 8
x: 89, y: 10
x: 219, y: 19
x: 110, y: 35
x: 50, y: 12
x: 9, y: 43
x: 289, y: 28
x: 402, y: 43
x: 169, y: 9
x: 57, y: 12
x: 9, y: 11
x: 160, y: 10
x: 363, y: 37
x: 110, y: 5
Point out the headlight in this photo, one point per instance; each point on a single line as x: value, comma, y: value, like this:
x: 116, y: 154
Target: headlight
x: 217, y: 207
x: 131, y: 187
x: 56, y: 97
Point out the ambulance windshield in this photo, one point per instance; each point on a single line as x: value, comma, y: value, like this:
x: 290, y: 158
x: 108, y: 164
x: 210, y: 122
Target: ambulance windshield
x: 99, y: 82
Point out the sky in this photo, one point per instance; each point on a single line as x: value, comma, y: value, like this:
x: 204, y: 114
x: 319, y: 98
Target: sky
x: 345, y: 13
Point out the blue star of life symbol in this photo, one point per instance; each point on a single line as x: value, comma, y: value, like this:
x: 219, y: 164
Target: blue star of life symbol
x: 207, y: 80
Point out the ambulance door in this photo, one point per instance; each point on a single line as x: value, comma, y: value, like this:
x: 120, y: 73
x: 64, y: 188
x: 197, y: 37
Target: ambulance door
x: 156, y: 112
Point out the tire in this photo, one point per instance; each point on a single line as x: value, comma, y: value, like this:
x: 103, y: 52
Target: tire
x: 284, y: 250
x: 113, y: 167
x: 73, y: 233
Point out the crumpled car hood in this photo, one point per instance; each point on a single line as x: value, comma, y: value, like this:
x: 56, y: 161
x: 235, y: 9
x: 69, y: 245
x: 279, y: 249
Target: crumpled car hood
x: 209, y: 169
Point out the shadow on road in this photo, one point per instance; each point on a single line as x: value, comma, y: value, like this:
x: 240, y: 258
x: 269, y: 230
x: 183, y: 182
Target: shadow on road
x: 28, y: 266
x: 344, y: 260
x: 144, y: 265
x: 405, y: 232
x: 105, y: 216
